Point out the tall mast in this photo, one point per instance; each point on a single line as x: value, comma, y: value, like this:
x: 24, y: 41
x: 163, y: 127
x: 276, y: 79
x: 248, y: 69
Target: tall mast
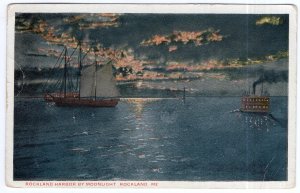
x: 65, y: 73
x: 95, y: 81
x: 79, y: 67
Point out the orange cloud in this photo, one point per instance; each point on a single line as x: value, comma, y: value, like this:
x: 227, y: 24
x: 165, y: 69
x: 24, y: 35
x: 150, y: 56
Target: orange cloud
x: 156, y: 40
x: 184, y: 37
x: 215, y: 37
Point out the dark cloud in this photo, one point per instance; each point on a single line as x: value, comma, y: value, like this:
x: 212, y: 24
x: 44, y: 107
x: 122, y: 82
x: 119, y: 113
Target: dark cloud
x: 271, y: 77
x: 171, y: 42
x: 36, y: 54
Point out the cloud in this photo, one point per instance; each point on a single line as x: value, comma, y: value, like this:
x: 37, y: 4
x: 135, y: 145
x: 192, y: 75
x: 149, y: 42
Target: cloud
x: 172, y: 70
x: 269, y: 20
x: 93, y: 20
x: 34, y: 25
x: 36, y: 54
x: 173, y: 48
x: 193, y: 70
x: 157, y: 40
x: 198, y: 38
x: 68, y: 31
x: 63, y: 31
x: 185, y: 67
x: 49, y: 52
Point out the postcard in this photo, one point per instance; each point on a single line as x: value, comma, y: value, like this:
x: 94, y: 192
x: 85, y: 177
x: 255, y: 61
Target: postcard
x: 151, y: 96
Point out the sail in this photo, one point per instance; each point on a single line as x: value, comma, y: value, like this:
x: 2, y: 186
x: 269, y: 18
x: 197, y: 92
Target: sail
x: 106, y: 84
x: 87, y: 81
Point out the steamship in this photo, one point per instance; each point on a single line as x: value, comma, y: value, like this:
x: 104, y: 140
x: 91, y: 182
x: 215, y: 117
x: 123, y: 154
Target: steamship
x: 253, y: 103
x: 95, y: 85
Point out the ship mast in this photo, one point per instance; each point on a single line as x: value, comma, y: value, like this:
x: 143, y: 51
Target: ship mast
x: 65, y: 73
x: 79, y: 67
x: 95, y: 80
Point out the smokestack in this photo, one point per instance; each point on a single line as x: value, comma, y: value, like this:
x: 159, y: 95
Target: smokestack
x: 254, y: 87
x: 271, y: 77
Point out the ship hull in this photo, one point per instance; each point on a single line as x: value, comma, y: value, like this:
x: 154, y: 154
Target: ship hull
x: 254, y: 112
x: 77, y: 102
x: 50, y: 96
x: 255, y: 104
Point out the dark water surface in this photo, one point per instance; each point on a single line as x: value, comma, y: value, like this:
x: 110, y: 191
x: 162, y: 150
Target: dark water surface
x: 150, y: 139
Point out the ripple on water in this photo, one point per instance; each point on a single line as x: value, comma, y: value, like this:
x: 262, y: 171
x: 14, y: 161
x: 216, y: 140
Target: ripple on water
x: 84, y: 176
x: 82, y: 133
x: 153, y: 138
x: 79, y: 149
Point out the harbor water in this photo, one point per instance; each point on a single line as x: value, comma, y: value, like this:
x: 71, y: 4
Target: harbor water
x: 201, y: 139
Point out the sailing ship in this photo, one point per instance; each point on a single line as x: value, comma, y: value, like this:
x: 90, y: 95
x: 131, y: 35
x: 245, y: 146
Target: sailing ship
x: 253, y: 103
x: 96, y: 86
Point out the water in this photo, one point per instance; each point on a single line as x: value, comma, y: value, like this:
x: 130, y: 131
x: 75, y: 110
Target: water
x: 150, y: 139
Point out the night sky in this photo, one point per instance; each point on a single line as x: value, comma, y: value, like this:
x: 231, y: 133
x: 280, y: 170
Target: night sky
x: 212, y: 53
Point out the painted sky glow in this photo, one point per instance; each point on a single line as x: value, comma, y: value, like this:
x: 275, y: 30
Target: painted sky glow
x: 156, y: 46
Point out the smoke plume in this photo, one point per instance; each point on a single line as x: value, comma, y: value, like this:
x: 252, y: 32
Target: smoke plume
x: 271, y: 77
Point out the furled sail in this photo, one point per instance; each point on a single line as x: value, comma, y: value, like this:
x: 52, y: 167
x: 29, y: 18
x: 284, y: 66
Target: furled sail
x: 87, y: 81
x: 101, y: 81
x: 106, y: 84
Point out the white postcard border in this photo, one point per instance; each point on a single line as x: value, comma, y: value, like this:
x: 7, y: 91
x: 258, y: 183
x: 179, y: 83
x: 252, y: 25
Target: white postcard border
x: 159, y: 8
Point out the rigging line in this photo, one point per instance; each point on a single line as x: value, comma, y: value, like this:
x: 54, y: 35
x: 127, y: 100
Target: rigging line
x: 65, y: 72
x: 57, y: 61
x: 61, y: 83
x: 58, y: 82
x: 59, y: 58
x: 86, y: 54
x: 59, y: 78
x: 69, y: 59
x: 70, y: 81
x: 68, y: 62
x: 55, y: 84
